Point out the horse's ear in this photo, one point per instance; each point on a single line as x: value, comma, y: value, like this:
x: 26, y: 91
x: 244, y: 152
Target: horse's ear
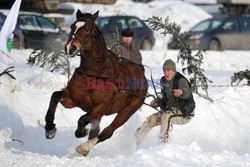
x: 78, y: 13
x: 94, y: 16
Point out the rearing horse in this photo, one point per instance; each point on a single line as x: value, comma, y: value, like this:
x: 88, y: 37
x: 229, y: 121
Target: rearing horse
x: 86, y: 91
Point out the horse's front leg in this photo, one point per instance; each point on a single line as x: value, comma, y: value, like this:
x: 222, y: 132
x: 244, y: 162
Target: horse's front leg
x: 50, y: 127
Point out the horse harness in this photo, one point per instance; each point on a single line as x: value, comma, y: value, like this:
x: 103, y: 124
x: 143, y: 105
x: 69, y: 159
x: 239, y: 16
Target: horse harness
x: 83, y: 43
x: 85, y: 75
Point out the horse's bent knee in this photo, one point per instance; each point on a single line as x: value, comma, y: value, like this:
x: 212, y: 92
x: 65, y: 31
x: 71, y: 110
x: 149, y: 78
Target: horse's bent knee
x: 68, y: 103
x: 56, y: 95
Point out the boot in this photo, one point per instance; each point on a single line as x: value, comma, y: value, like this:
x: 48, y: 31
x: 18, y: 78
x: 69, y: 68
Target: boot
x: 163, y: 138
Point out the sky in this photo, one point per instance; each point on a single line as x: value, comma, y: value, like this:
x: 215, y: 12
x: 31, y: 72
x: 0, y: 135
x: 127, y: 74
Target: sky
x: 218, y: 135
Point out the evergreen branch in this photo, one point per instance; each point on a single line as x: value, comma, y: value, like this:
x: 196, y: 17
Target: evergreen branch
x: 192, y: 62
x: 53, y: 61
x: 114, y: 41
x: 239, y: 76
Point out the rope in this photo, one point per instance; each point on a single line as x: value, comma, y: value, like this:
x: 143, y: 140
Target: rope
x: 39, y: 123
x: 156, y: 97
x: 17, y: 140
x: 221, y: 85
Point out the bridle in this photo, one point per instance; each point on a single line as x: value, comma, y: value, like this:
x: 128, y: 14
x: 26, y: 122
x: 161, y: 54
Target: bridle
x: 84, y: 42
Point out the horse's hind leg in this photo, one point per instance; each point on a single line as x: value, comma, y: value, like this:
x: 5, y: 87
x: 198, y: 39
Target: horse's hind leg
x: 92, y: 141
x: 50, y: 127
x: 120, y: 119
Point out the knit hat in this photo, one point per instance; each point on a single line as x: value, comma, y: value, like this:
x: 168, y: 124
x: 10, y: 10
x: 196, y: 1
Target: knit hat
x: 169, y: 65
x: 127, y: 33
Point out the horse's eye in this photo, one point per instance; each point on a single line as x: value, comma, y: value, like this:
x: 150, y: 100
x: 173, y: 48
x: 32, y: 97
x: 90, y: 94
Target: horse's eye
x: 87, y: 30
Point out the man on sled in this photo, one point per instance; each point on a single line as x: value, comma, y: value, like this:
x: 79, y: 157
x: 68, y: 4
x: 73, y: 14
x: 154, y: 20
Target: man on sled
x: 177, y: 104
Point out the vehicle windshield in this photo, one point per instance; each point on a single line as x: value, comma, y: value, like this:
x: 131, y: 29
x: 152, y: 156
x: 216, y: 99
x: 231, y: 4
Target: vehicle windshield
x: 46, y: 24
x: 102, y: 22
x: 28, y: 22
x: 1, y: 19
x: 207, y: 25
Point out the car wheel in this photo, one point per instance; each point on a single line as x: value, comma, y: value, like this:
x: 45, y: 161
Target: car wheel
x: 16, y: 43
x: 146, y: 44
x: 214, y: 45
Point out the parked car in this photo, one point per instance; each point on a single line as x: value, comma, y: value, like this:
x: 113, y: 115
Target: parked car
x: 227, y: 32
x: 143, y: 35
x: 40, y: 32
x: 18, y: 38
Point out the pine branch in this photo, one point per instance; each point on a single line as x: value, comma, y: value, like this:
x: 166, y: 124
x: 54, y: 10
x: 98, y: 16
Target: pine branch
x: 239, y: 76
x: 53, y: 61
x: 192, y: 62
x: 114, y: 41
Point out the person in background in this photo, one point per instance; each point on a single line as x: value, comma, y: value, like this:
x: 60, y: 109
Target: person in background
x: 126, y: 47
x: 176, y: 102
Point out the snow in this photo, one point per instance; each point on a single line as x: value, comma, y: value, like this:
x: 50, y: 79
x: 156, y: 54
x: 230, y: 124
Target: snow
x: 201, y: 1
x: 218, y: 135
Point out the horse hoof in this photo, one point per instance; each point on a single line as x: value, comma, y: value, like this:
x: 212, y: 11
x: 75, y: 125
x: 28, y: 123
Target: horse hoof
x: 81, y: 132
x: 49, y: 134
x: 82, y: 150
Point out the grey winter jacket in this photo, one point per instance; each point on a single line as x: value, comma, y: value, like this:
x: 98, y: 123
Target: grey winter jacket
x: 130, y: 52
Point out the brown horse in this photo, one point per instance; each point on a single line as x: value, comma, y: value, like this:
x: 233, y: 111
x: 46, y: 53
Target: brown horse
x: 103, y: 84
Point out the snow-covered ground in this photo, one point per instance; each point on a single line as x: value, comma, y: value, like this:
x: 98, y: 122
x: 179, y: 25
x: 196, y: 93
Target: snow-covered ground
x: 218, y: 135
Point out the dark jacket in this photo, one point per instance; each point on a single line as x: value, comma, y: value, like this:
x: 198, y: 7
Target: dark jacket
x: 185, y: 103
x: 130, y: 52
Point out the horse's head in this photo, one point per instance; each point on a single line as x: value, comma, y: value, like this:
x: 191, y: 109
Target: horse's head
x: 83, y: 33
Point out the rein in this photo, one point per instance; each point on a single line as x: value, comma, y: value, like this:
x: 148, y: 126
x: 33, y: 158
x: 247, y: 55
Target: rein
x: 156, y: 97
